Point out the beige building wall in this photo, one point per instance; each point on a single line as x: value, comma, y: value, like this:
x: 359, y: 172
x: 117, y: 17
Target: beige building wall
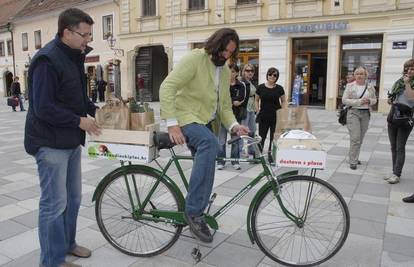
x: 47, y: 24
x: 177, y: 28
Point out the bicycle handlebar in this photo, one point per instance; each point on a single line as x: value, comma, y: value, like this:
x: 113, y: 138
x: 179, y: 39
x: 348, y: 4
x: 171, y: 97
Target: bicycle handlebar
x: 254, y: 139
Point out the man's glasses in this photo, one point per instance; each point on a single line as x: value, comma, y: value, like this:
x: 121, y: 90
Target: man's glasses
x: 85, y: 35
x: 273, y: 75
x: 249, y: 70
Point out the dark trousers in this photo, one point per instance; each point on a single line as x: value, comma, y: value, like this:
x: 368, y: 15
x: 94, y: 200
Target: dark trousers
x: 266, y: 123
x: 94, y: 96
x: 398, y: 138
x: 101, y: 95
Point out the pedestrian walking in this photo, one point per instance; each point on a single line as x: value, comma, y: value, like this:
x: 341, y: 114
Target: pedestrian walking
x: 359, y: 96
x: 17, y: 93
x: 195, y: 100
x: 55, y: 130
x: 270, y: 97
x: 402, y: 100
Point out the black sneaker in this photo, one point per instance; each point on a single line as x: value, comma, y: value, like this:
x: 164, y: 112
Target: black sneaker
x: 199, y: 228
x: 409, y: 199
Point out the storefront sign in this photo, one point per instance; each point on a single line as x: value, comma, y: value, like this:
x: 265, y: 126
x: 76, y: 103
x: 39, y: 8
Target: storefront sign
x: 399, y: 45
x: 304, y: 28
x: 92, y: 59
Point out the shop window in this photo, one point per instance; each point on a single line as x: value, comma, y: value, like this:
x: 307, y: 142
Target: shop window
x: 360, y: 51
x: 196, y: 4
x: 243, y: 2
x: 148, y: 8
x: 2, y: 49
x: 107, y: 26
x: 9, y: 47
x: 25, y: 41
x: 38, y: 39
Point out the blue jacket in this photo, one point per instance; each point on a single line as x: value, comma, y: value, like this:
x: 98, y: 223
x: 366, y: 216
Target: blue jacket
x: 57, y: 98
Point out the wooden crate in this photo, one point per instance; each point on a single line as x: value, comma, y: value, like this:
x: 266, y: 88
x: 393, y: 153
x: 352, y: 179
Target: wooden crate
x: 137, y: 146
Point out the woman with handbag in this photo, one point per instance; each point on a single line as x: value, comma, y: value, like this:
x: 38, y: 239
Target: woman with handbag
x: 358, y: 96
x: 399, y: 120
x: 238, y: 93
x: 269, y: 98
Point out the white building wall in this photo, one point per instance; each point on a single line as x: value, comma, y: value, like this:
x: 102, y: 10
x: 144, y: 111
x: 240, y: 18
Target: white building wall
x: 6, y: 63
x: 273, y: 52
x: 395, y: 58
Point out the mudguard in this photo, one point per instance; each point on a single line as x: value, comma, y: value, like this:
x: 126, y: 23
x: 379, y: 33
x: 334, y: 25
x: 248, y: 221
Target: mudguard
x: 145, y: 169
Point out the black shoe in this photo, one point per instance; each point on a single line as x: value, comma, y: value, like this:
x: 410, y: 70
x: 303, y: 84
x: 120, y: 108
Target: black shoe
x: 353, y: 166
x: 409, y: 199
x: 199, y: 228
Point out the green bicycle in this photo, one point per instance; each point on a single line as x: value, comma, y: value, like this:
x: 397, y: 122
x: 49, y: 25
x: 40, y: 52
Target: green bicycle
x: 295, y: 220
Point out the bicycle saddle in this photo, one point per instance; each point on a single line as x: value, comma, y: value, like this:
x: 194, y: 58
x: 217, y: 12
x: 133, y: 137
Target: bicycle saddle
x: 162, y: 140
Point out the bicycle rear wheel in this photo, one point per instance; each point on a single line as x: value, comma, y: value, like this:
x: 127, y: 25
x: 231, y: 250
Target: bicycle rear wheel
x: 114, y: 213
x: 325, y: 222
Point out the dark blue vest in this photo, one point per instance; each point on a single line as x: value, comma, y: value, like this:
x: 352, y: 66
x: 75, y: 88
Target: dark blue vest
x: 71, y: 95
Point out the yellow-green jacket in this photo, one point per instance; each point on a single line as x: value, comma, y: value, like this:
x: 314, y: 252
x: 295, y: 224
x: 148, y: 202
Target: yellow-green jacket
x: 188, y: 94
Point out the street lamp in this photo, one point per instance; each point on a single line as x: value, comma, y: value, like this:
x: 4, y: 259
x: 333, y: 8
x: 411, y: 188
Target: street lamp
x: 111, y: 43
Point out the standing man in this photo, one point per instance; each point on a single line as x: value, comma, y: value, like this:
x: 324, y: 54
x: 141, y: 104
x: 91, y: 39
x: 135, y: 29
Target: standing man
x: 16, y: 92
x: 195, y: 99
x: 101, y: 90
x: 55, y: 130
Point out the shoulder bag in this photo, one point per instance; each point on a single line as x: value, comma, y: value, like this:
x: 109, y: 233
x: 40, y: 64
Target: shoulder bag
x: 400, y: 116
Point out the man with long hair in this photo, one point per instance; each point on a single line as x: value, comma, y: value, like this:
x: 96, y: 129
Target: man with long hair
x: 195, y: 100
x: 55, y: 130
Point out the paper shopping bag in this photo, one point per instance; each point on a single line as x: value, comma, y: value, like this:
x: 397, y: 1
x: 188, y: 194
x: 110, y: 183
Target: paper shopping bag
x: 292, y: 118
x: 113, y: 115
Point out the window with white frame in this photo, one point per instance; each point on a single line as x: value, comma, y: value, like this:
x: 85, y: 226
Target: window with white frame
x: 38, y: 39
x: 148, y: 8
x: 2, y: 49
x: 9, y: 47
x: 196, y: 4
x: 25, y: 41
x: 242, y: 2
x: 107, y: 26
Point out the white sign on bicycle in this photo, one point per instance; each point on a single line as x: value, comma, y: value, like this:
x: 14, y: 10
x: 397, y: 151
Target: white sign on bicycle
x: 300, y: 149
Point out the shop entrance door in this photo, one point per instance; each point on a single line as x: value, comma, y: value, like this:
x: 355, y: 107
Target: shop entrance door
x: 253, y: 59
x: 310, y: 65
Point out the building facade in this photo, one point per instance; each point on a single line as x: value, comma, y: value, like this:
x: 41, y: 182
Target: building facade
x: 36, y: 24
x: 8, y: 9
x: 323, y: 40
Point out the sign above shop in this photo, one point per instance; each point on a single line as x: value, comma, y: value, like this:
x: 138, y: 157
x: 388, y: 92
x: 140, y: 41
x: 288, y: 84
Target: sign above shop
x: 312, y: 27
x: 399, y: 45
x: 91, y: 59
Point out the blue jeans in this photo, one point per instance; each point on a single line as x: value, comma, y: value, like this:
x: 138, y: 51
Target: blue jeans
x: 249, y: 121
x: 222, y: 139
x: 204, y: 147
x: 61, y: 192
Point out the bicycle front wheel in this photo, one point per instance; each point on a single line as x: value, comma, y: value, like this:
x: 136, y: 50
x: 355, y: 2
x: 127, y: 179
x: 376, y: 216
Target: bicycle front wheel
x: 323, y: 227
x: 114, y: 212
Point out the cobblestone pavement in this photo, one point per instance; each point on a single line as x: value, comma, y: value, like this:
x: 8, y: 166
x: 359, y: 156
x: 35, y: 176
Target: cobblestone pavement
x: 382, y: 226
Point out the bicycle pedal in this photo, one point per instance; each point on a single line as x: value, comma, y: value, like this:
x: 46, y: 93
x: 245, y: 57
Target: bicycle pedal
x: 196, y: 254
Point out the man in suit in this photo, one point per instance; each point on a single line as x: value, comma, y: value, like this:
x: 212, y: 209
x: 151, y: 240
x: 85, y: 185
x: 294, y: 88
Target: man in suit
x: 195, y: 99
